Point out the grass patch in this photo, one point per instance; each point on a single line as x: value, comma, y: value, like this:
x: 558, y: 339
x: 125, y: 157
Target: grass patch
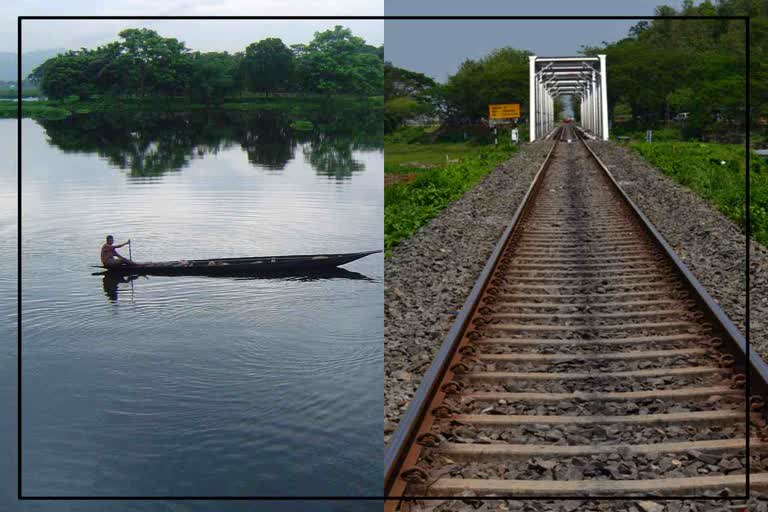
x: 410, y: 134
x: 302, y: 126
x: 397, y: 157
x: 696, y: 166
x: 34, y: 109
x: 410, y: 205
x: 660, y: 135
x: 26, y: 92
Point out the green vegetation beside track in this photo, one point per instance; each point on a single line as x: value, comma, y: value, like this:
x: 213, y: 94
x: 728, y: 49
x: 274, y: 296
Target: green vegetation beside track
x: 407, y: 158
x: 699, y: 167
x: 423, y: 179
x: 621, y: 133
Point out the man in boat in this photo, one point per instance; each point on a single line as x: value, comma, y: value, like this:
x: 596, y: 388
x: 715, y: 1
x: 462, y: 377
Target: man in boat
x: 110, y: 257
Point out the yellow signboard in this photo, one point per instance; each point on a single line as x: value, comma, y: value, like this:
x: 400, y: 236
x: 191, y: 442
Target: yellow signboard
x: 504, y: 111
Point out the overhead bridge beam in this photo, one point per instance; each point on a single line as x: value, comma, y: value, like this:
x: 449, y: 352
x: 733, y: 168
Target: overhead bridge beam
x: 583, y: 77
x: 566, y: 59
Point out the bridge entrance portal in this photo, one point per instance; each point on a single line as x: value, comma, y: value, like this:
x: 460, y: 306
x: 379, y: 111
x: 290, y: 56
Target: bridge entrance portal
x: 581, y: 77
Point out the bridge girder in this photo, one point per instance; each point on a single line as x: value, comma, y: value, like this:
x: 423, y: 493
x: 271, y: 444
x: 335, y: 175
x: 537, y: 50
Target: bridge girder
x: 552, y: 77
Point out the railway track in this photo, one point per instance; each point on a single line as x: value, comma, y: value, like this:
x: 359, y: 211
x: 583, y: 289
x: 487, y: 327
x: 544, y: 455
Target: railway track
x: 587, y: 361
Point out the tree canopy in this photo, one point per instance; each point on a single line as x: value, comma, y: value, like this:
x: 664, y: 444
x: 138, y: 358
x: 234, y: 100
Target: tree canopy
x: 500, y: 77
x: 668, y: 66
x: 268, y: 65
x: 215, y: 74
x: 407, y: 95
x: 337, y: 61
x: 400, y: 82
x: 142, y: 63
x: 663, y: 67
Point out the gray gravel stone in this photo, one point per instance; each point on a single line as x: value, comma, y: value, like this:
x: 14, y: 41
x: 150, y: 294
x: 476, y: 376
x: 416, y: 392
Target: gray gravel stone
x: 757, y: 504
x: 429, y: 276
x: 712, y: 246
x: 650, y: 506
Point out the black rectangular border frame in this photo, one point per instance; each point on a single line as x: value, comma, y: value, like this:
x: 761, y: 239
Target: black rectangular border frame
x: 22, y: 497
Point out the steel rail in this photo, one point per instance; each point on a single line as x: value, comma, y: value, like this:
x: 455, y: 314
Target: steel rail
x: 736, y: 342
x: 401, y: 443
x: 408, y: 426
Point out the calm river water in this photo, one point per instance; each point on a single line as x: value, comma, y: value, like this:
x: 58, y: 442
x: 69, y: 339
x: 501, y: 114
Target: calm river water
x: 191, y: 385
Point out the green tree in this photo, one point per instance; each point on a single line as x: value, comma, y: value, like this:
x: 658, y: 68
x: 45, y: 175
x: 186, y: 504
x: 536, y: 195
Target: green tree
x: 67, y: 74
x: 407, y: 95
x: 142, y: 63
x: 622, y: 112
x: 267, y: 65
x: 402, y: 82
x: 57, y: 77
x: 501, y: 77
x: 695, y: 66
x: 214, y: 76
x: 336, y: 61
x: 153, y: 64
x: 559, y: 108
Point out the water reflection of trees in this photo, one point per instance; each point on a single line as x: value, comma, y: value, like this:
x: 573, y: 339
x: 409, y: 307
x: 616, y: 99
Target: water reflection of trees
x: 330, y: 149
x: 267, y: 140
x: 332, y: 157
x: 152, y: 144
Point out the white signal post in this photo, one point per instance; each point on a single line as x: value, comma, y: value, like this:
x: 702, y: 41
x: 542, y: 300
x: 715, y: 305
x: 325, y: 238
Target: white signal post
x: 581, y: 77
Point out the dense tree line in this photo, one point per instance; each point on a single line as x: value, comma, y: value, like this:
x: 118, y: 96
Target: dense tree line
x: 500, y: 77
x: 407, y: 94
x: 662, y: 68
x: 665, y: 67
x: 143, y: 63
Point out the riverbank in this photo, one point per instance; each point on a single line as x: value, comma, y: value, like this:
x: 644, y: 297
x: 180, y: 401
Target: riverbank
x: 296, y: 105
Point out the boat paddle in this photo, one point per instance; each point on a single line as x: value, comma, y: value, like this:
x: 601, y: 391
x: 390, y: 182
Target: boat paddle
x: 130, y: 258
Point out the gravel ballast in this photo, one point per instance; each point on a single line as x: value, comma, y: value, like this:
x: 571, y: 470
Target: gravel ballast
x: 712, y: 246
x: 431, y: 284
x: 429, y: 276
x: 757, y: 504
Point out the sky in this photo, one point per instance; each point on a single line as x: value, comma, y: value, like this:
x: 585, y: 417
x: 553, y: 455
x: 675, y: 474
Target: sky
x: 437, y: 48
x: 221, y: 35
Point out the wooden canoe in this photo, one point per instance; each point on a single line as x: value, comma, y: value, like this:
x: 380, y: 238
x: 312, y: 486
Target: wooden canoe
x: 254, y: 265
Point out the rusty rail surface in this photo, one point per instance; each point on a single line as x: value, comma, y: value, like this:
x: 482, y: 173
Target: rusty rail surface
x: 581, y: 284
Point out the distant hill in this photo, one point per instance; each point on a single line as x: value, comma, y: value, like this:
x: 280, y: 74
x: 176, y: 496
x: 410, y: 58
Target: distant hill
x: 30, y: 60
x: 7, y: 66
